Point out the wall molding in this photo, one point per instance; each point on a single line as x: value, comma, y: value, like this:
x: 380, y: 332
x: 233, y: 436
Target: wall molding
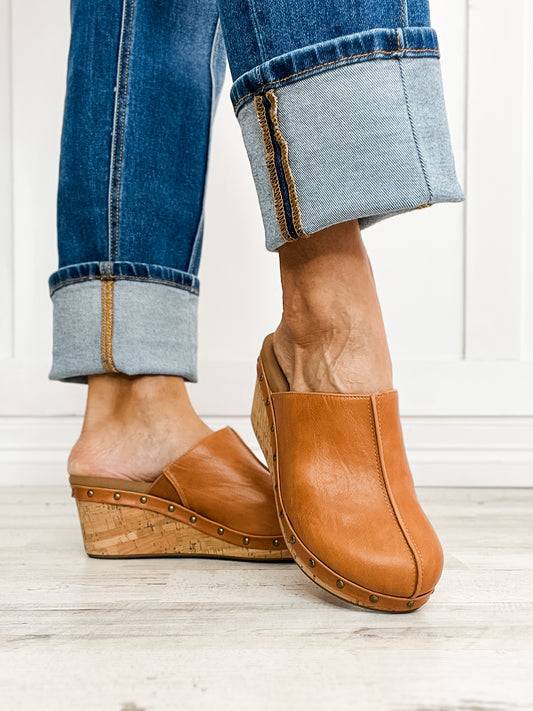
x: 443, y: 451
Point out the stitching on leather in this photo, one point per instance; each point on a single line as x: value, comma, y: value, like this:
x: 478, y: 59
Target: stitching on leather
x: 400, y: 518
x: 272, y: 172
x: 125, y: 278
x: 332, y: 62
x: 289, y: 179
x: 384, y: 488
x: 378, y: 398
x: 106, y: 332
x: 346, y: 396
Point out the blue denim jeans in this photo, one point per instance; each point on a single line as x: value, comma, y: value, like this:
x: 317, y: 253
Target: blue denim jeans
x: 342, y: 113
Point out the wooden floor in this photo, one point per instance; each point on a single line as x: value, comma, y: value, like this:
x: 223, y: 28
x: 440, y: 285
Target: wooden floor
x: 179, y: 634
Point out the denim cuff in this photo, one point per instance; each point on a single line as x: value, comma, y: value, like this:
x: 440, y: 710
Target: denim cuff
x: 354, y: 127
x: 121, y: 317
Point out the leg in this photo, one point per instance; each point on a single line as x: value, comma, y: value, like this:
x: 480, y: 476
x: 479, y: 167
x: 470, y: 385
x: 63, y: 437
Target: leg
x: 143, y: 82
x: 331, y: 337
x: 343, y: 117
x: 342, y: 114
x: 142, y: 86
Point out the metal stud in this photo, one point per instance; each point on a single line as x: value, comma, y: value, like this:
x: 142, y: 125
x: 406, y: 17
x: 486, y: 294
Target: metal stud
x: 410, y: 603
x: 220, y: 531
x: 340, y: 584
x: 293, y: 539
x: 267, y: 402
x: 116, y: 496
x: 272, y: 428
x: 143, y: 499
x: 90, y: 493
x: 171, y: 508
x: 275, y: 487
x: 311, y: 562
x: 276, y: 542
x: 261, y: 377
x: 246, y: 540
x: 373, y: 598
x: 281, y: 514
x: 274, y: 457
x: 193, y: 519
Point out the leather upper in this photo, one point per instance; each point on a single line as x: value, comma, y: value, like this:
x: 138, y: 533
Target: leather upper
x: 347, y: 490
x: 220, y: 478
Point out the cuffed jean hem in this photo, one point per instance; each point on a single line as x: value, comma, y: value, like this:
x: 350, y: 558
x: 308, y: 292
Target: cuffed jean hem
x: 352, y: 128
x: 121, y: 317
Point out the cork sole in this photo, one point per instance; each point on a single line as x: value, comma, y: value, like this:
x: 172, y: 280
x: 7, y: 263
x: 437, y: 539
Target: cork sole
x: 264, y: 425
x: 115, y: 531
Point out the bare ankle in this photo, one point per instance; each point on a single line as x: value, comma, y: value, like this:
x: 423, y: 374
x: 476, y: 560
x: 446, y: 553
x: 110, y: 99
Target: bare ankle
x: 109, y: 395
x: 331, y: 336
x: 134, y: 426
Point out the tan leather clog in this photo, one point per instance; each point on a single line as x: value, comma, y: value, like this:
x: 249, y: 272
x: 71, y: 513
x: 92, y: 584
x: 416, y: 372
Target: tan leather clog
x: 215, y: 500
x: 344, y: 491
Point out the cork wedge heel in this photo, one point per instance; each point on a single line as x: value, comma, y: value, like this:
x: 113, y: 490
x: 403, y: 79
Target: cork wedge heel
x: 136, y: 528
x: 214, y: 501
x: 344, y: 492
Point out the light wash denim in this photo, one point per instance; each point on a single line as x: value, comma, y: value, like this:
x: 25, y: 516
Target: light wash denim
x: 342, y: 113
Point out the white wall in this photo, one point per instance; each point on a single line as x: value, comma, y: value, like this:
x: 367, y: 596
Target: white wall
x: 456, y: 281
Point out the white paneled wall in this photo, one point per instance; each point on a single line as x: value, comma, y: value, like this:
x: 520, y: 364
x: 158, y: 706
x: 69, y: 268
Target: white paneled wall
x: 456, y: 281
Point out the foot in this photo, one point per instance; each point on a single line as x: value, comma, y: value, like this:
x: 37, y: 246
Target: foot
x: 134, y: 426
x: 331, y: 337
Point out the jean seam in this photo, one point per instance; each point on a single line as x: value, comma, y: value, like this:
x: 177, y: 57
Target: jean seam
x: 404, y: 10
x: 289, y: 179
x: 281, y: 217
x: 199, y: 227
x: 413, y: 132
x: 255, y: 23
x: 392, y: 53
x: 98, y: 277
x: 119, y: 121
x: 107, y: 320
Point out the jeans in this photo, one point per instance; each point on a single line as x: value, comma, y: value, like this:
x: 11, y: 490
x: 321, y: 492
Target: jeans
x: 342, y: 114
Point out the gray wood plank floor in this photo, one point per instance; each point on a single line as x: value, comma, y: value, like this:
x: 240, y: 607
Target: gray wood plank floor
x: 153, y: 635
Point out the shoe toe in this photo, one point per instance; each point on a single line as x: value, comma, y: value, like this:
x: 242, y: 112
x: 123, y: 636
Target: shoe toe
x: 346, y: 491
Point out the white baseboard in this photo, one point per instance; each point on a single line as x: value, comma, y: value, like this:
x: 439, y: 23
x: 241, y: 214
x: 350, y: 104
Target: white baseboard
x: 443, y: 451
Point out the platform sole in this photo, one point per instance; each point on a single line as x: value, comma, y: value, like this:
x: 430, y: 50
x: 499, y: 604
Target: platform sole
x: 142, y: 526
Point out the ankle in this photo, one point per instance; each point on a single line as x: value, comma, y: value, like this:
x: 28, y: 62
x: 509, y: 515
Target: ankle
x: 344, y: 361
x: 327, y: 279
x: 113, y: 396
x: 331, y: 337
x: 134, y: 426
